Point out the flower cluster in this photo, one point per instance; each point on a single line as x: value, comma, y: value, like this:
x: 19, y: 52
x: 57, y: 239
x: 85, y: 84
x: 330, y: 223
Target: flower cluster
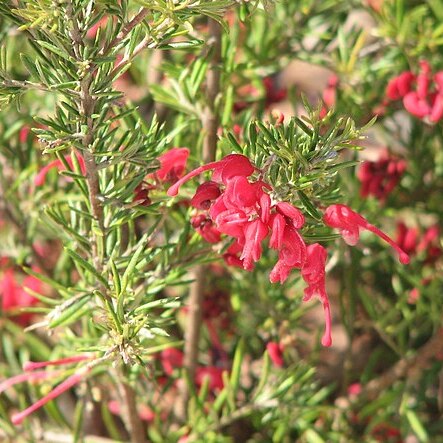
x: 241, y: 207
x: 379, y: 178
x: 422, y: 94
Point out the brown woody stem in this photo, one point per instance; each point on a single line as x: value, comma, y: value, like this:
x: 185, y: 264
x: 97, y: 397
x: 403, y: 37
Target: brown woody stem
x: 86, y: 107
x: 131, y: 419
x: 210, y: 126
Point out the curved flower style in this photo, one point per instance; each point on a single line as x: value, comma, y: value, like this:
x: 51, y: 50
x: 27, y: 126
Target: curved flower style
x: 350, y: 223
x: 56, y: 392
x: 230, y: 166
x: 33, y: 376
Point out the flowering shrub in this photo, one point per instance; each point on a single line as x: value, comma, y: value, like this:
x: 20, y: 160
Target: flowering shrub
x: 213, y: 185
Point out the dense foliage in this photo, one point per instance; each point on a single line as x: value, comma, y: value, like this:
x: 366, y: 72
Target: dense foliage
x: 206, y: 237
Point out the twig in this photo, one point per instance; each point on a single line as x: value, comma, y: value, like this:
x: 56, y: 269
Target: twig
x: 86, y: 106
x: 25, y: 84
x: 409, y: 366
x: 210, y: 126
x: 210, y: 115
x: 128, y: 58
x: 130, y: 416
x: 137, y: 19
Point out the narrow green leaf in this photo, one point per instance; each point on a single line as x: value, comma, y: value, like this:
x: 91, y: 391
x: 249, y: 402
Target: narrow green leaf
x: 78, y: 421
x: 236, y: 366
x: 163, y: 302
x: 310, y: 208
x: 115, y: 277
x: 417, y: 426
x: 132, y: 264
x: 70, y: 314
x: 264, y: 374
x: 86, y: 265
x: 54, y: 49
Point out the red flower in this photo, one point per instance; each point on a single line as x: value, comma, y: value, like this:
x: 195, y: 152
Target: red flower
x: 428, y: 245
x: 40, y: 178
x: 172, y: 164
x: 291, y: 255
x: 407, y: 238
x: 205, y: 227
x: 354, y: 389
x: 242, y: 211
x: 254, y: 233
x: 275, y: 351
x: 141, y: 194
x: 206, y: 193
x: 231, y: 257
x: 329, y: 95
x: 350, y: 223
x: 215, y: 375
x: 14, y: 295
x: 313, y: 273
x: 399, y: 86
x: 274, y: 93
x: 171, y: 359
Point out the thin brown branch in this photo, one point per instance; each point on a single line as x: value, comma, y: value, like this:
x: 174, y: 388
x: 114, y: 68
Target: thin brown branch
x: 137, y: 19
x: 128, y: 58
x: 86, y: 106
x: 210, y: 126
x: 210, y: 115
x: 131, y: 419
x: 409, y: 367
x: 25, y: 84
